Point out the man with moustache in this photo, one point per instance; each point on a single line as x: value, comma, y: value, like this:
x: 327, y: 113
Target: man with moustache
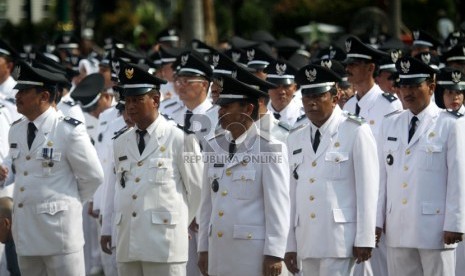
x: 158, y: 170
x: 421, y: 156
x: 55, y: 169
x: 244, y: 213
x: 333, y: 184
x: 370, y: 102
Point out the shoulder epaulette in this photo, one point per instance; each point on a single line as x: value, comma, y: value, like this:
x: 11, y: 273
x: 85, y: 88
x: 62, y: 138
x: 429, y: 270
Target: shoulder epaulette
x: 119, y: 132
x: 72, y: 121
x: 454, y: 113
x: 11, y: 100
x: 392, y: 113
x: 69, y: 103
x: 17, y: 121
x: 301, y: 117
x: 184, y: 129
x: 356, y: 119
x: 390, y: 97
x: 284, y: 126
x: 170, y: 104
x: 166, y: 116
x: 297, y: 128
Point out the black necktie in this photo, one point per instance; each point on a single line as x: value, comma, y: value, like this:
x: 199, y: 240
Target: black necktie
x: 232, y: 149
x: 316, y: 140
x: 31, y: 134
x: 413, y: 126
x: 357, y: 109
x: 141, y: 144
x: 187, y: 119
x: 277, y: 115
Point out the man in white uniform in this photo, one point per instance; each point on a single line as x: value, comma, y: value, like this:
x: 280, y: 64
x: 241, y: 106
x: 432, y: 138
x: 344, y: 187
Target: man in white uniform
x: 422, y: 196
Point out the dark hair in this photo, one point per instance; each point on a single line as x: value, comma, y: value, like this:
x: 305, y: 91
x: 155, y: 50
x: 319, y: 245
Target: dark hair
x: 254, y: 102
x: 52, y: 90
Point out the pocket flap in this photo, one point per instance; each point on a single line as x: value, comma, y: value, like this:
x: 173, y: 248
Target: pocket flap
x: 215, y: 173
x: 431, y: 148
x: 167, y: 218
x: 123, y: 167
x: 337, y: 157
x: 244, y: 175
x: 118, y: 217
x: 344, y: 215
x: 390, y: 146
x: 429, y: 208
x: 52, y: 208
x: 249, y: 232
x: 14, y: 153
x: 161, y: 163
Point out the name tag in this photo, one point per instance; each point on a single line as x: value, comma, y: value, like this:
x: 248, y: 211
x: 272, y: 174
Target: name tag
x: 13, y: 145
x: 122, y: 158
x: 392, y: 138
x: 218, y: 165
x: 297, y: 151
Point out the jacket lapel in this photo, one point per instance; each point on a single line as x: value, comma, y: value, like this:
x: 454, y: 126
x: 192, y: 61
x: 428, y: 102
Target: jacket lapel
x: 425, y: 124
x: 43, y: 132
x: 326, y: 138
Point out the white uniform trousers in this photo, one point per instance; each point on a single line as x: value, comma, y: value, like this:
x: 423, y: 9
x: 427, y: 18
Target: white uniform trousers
x: 414, y: 262
x: 328, y: 267
x: 71, y: 264
x: 151, y: 269
x: 192, y: 267
x: 460, y: 259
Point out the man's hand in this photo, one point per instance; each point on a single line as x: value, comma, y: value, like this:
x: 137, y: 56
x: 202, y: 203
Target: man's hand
x: 90, y: 210
x: 272, y: 266
x: 105, y: 244
x: 378, y: 233
x: 362, y: 254
x: 452, y: 237
x: 290, y: 259
x: 3, y: 172
x: 194, y: 227
x: 203, y: 263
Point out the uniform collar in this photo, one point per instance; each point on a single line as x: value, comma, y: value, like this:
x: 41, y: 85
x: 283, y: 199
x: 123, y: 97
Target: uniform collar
x: 369, y: 98
x: 152, y: 127
x: 337, y: 110
x: 39, y: 121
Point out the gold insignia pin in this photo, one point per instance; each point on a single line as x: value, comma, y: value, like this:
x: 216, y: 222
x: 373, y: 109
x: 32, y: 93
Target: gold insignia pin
x: 162, y: 148
x: 49, y: 143
x: 431, y: 134
x: 129, y: 72
x: 372, y: 122
x: 228, y: 172
x: 336, y: 145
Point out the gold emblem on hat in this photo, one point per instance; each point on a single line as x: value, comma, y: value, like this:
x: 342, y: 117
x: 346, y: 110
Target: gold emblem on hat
x: 348, y: 45
x: 456, y: 76
x: 129, y: 72
x: 49, y: 143
x: 405, y: 66
x: 311, y: 75
x: 281, y: 68
x: 16, y: 72
x: 215, y: 60
x: 251, y: 54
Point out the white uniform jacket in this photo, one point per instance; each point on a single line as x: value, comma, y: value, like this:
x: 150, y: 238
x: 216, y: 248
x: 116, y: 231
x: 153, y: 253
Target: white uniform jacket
x: 157, y: 193
x: 422, y: 191
x: 248, y: 216
x: 333, y: 191
x: 60, y: 171
x: 374, y: 106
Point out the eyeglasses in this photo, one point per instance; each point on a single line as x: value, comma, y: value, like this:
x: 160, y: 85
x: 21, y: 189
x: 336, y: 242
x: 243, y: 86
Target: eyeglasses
x: 184, y: 81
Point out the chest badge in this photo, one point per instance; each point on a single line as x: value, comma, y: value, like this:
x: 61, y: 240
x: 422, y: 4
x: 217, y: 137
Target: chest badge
x: 215, y: 185
x: 390, y: 159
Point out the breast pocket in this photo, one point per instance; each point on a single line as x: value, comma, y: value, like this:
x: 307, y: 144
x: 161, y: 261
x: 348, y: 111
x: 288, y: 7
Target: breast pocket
x: 244, y: 185
x: 336, y: 163
x: 50, y: 162
x: 432, y: 157
x: 161, y: 170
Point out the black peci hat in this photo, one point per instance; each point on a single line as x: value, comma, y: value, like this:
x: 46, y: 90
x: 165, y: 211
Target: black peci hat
x: 357, y: 50
x: 30, y: 77
x: 135, y: 80
x: 316, y: 79
x: 413, y: 71
x: 280, y: 72
x: 243, y: 75
x: 88, y: 90
x: 233, y: 90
